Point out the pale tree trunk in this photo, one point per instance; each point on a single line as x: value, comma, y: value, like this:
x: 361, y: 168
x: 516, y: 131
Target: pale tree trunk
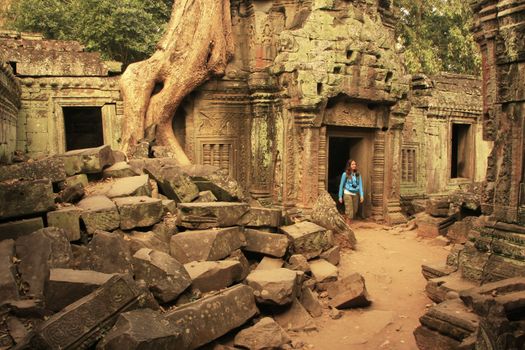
x: 197, y: 45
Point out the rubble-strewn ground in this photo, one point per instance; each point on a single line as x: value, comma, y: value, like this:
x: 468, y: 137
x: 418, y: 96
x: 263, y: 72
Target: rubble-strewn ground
x: 390, y: 261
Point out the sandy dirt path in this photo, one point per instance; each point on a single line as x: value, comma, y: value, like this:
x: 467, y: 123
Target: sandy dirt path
x: 390, y: 262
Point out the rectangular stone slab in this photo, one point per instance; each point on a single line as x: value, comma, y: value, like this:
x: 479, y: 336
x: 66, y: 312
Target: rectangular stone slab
x: 68, y: 219
x: 308, y: 238
x: 82, y: 323
x: 211, y: 317
x: 100, y: 213
x: 15, y: 229
x: 139, y: 211
x: 51, y: 168
x: 208, y: 215
x: 88, y: 160
x: 213, y: 244
x: 272, y: 244
x: 451, y: 318
x: 66, y: 286
x: 25, y: 198
x: 264, y: 217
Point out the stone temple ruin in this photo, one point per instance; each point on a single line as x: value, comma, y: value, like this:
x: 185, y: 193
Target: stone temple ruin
x: 311, y: 84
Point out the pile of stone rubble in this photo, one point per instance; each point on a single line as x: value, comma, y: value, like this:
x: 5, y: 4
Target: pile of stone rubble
x: 99, y: 251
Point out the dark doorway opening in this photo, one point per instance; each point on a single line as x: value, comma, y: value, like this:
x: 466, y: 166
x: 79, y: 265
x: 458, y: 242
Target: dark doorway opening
x: 341, y: 149
x: 461, y: 151
x: 83, y: 126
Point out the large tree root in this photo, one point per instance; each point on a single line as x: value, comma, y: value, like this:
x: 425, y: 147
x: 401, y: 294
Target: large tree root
x: 197, y: 44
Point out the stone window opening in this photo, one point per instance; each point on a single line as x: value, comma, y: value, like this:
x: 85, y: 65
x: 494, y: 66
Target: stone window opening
x: 408, y: 165
x: 83, y: 127
x: 461, y: 151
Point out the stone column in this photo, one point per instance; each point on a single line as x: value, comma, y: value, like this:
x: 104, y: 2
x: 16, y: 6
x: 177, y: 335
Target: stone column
x: 392, y: 177
x: 262, y: 150
x: 378, y: 176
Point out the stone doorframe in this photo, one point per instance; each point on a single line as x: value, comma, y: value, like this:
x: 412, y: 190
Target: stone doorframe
x: 57, y: 131
x: 369, y: 136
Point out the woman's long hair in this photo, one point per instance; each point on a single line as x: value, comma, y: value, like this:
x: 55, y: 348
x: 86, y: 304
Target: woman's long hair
x: 348, y: 169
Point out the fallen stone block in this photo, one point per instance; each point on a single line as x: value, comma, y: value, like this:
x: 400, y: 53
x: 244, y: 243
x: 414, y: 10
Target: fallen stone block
x: 268, y: 263
x: 210, y: 178
x: 272, y: 244
x: 8, y: 285
x: 430, y: 272
x: 237, y: 255
x: 323, y: 271
x: 119, y: 170
x: 332, y: 255
x: 451, y: 317
x: 71, y: 194
x: 310, y: 302
x: 206, y: 197
x: 265, y: 334
x: 208, y: 276
x: 299, y: 263
x: 152, y: 240
x: 65, y: 286
x: 208, y: 215
x: 438, y: 288
x: 264, y: 217
x: 139, y: 211
x: 107, y: 253
x: 68, y: 219
x: 82, y: 323
x: 275, y: 286
x: 76, y: 180
x: 165, y: 276
x: 143, y: 329
x: 431, y: 227
x: 129, y: 186
x: 38, y: 253
x: 88, y: 160
x: 349, y: 292
x: 51, y: 168
x: 215, y: 244
x: 438, y: 206
x: 15, y: 229
x: 166, y: 228
x: 459, y: 231
x: 427, y: 339
x: 448, y: 325
x: 308, y: 239
x: 295, y: 318
x: 138, y: 165
x: 211, y: 317
x: 99, y: 213
x: 325, y: 214
x: 500, y: 308
x: 172, y: 182
x: 20, y: 198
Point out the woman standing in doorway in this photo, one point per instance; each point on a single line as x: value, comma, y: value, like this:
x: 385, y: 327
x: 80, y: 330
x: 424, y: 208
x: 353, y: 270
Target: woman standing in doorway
x: 351, y: 190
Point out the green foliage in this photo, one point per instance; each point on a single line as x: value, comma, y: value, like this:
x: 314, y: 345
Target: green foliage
x: 123, y: 30
x: 435, y: 35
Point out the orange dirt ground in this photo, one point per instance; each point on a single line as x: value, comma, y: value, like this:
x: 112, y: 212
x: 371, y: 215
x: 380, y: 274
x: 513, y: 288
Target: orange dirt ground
x: 390, y: 261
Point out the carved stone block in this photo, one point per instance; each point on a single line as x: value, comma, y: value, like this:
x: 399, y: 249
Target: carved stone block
x: 207, y: 215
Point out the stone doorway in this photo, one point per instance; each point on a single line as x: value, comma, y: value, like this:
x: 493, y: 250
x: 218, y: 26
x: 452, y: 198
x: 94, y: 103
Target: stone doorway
x: 83, y: 127
x: 345, y: 145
